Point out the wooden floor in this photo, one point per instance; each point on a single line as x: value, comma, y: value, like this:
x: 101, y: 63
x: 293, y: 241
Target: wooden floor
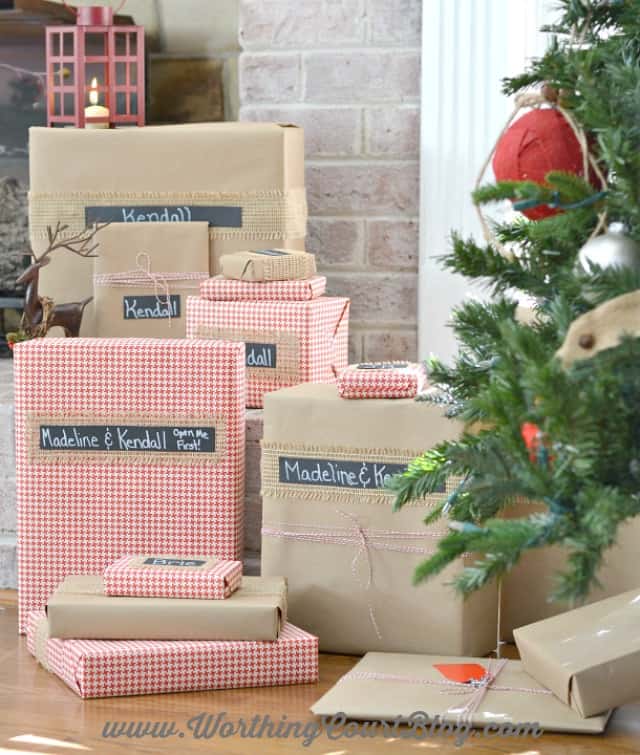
x: 40, y: 714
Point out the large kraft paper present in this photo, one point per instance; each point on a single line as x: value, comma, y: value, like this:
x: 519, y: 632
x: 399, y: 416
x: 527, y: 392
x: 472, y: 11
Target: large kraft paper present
x: 125, y: 445
x: 79, y: 609
x: 460, y: 692
x: 589, y: 657
x: 108, y: 668
x: 246, y: 180
x: 328, y: 526
x: 142, y: 276
x: 286, y: 342
x: 526, y: 589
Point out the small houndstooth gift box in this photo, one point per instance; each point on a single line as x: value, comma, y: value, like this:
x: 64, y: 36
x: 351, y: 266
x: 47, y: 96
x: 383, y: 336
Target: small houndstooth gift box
x: 204, y: 577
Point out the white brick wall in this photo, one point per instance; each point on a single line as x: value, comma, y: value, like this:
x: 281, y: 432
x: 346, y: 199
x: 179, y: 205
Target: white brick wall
x: 348, y: 72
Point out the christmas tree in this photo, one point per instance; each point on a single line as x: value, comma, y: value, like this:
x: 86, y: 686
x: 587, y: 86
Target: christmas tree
x: 559, y: 430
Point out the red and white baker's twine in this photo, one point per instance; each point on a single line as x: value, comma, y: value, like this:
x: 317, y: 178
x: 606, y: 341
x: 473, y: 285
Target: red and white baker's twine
x: 476, y: 688
x: 364, y: 539
x: 143, y: 276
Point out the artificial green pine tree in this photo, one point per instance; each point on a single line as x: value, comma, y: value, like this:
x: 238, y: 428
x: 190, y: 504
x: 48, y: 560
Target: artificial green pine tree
x: 585, y: 464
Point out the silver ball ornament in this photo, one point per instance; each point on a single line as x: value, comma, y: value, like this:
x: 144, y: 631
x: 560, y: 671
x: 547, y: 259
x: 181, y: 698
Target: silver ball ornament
x: 611, y: 249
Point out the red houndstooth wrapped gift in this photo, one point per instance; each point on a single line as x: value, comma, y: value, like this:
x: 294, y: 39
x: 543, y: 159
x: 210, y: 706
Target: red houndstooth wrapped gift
x: 382, y: 380
x: 229, y: 289
x: 109, y: 668
x: 286, y: 342
x: 203, y: 577
x: 125, y: 446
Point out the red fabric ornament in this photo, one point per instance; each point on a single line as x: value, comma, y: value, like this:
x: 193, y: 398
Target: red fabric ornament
x: 537, y: 143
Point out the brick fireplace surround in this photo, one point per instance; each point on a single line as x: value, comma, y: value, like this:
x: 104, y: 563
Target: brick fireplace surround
x: 348, y: 71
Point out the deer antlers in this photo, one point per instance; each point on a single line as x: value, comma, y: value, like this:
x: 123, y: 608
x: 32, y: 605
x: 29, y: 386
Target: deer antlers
x: 79, y: 244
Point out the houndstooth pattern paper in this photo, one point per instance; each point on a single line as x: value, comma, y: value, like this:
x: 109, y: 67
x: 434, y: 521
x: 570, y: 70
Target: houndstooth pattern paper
x: 126, y: 578
x: 107, y: 668
x: 76, y: 518
x: 405, y: 380
x: 227, y: 289
x: 320, y: 328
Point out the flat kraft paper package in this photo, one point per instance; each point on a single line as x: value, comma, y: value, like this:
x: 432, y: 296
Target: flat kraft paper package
x: 466, y: 692
x: 526, y: 589
x: 328, y: 526
x: 286, y: 342
x: 172, y: 576
x: 109, y: 668
x: 125, y: 444
x: 225, y: 289
x: 143, y: 274
x: 80, y: 609
x: 589, y: 657
x: 246, y: 180
x: 268, y: 265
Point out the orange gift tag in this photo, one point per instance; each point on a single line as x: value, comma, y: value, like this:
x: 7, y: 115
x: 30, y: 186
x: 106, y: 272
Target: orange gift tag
x: 461, y: 672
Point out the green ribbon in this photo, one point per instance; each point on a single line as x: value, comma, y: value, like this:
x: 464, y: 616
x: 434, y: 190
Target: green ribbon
x: 556, y: 204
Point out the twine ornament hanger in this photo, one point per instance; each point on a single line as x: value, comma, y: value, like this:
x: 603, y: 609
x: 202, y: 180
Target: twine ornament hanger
x: 546, y: 97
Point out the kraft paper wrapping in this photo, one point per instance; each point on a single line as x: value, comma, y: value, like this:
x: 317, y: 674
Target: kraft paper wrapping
x: 526, y: 589
x: 383, y: 686
x: 169, y: 260
x: 348, y: 558
x: 268, y: 265
x: 256, y: 169
x: 80, y: 609
x: 589, y: 657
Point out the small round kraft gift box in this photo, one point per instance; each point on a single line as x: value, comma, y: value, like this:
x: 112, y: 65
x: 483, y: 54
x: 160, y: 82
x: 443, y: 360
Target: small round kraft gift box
x: 152, y: 576
x: 382, y: 380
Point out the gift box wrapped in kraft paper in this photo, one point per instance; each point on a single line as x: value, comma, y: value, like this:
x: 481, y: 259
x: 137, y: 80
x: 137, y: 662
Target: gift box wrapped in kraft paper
x: 263, y: 265
x: 461, y: 692
x: 245, y: 180
x: 142, y: 276
x: 153, y: 576
x: 125, y: 445
x: 328, y: 526
x: 527, y: 587
x: 589, y: 657
x: 80, y: 609
x: 109, y: 668
x: 287, y: 342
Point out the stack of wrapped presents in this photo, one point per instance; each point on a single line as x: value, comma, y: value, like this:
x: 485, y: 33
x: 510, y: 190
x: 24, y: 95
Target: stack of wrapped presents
x: 131, y: 462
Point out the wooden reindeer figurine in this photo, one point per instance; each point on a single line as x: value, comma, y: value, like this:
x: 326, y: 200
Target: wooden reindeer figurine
x: 40, y: 312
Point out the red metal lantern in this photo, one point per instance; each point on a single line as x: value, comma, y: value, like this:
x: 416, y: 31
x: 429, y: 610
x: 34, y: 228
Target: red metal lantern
x: 95, y: 72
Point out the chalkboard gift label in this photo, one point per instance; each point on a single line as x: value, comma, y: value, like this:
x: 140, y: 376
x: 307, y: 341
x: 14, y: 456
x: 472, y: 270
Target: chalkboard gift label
x: 151, y: 307
x: 329, y: 473
x: 171, y: 562
x: 261, y: 354
x: 223, y: 217
x: 274, y: 355
x: 127, y: 440
x: 337, y: 473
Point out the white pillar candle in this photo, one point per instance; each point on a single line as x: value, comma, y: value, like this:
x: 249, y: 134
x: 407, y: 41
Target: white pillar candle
x: 94, y: 110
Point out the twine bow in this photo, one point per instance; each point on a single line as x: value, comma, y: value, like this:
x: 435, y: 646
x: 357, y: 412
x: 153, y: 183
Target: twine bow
x: 143, y: 264
x: 143, y: 276
x: 475, y: 688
